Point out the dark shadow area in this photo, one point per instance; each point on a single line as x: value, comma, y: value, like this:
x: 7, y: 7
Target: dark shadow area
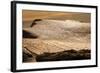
x: 64, y: 55
x: 61, y: 56
x: 27, y: 34
x: 34, y: 22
